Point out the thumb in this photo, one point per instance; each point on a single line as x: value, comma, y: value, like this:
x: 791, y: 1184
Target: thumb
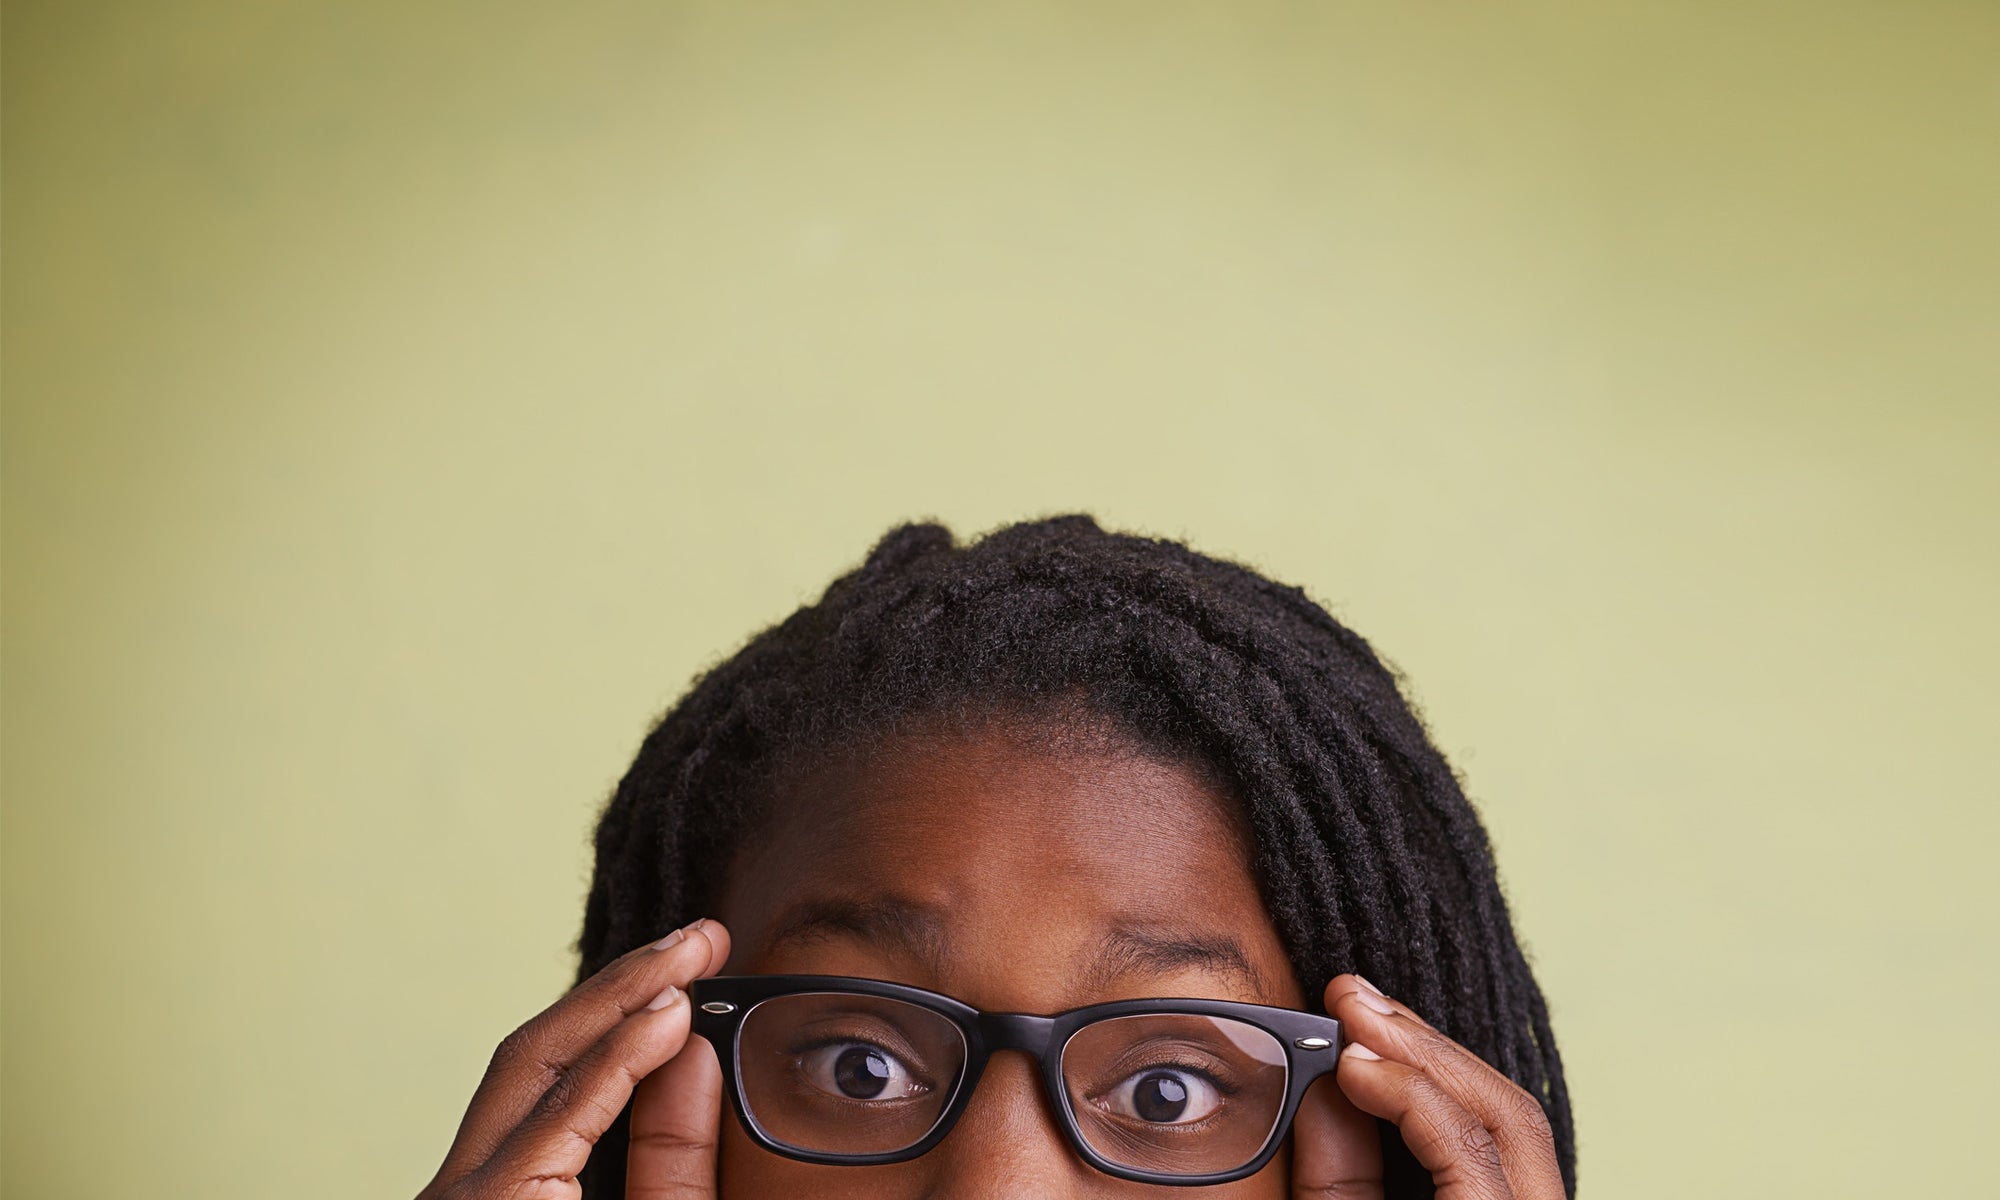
x: 676, y: 1116
x: 1336, y: 1151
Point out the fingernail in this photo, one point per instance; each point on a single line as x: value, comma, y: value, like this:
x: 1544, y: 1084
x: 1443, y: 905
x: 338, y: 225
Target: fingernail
x: 664, y: 998
x: 680, y: 935
x: 1375, y: 1001
x: 1357, y: 1050
x: 1363, y: 981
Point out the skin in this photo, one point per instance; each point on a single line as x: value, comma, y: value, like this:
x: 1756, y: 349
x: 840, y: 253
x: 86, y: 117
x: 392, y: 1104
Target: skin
x: 1017, y: 875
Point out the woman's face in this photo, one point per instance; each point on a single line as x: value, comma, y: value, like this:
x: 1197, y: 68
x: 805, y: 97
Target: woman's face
x: 1017, y: 878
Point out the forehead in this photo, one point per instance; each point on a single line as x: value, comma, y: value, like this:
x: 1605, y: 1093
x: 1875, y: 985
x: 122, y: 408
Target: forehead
x: 1013, y: 870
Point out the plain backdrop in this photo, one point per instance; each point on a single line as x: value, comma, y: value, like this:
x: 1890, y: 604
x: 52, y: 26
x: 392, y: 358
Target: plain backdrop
x: 404, y: 400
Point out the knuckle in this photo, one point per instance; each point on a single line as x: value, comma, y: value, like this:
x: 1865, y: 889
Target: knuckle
x: 545, y: 1187
x: 1479, y: 1151
x: 486, y: 1185
x: 559, y: 1095
x: 1476, y: 1147
x: 1515, y: 1109
x: 513, y: 1050
x: 575, y: 1107
x: 520, y: 1053
x: 591, y: 1114
x: 1526, y: 1113
x: 678, y: 1141
x: 1457, y: 1137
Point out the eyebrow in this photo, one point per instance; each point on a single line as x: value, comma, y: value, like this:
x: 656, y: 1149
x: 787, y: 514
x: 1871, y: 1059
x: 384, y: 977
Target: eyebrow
x: 918, y: 931
x: 915, y: 929
x: 1128, y: 951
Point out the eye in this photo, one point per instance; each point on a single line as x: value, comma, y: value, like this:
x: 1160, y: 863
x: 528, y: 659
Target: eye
x: 859, y: 1071
x: 1165, y: 1096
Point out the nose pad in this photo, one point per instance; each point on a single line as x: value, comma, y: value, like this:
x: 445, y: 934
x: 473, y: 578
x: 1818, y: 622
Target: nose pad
x: 1007, y: 1142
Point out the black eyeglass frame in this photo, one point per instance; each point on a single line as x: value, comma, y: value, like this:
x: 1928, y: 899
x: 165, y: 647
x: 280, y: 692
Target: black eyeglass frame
x: 1312, y: 1045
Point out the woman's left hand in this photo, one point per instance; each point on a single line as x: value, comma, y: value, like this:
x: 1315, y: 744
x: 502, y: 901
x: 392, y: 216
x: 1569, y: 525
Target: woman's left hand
x: 1479, y: 1134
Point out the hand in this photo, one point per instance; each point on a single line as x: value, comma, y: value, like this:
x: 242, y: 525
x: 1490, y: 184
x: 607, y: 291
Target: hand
x: 1479, y: 1134
x: 558, y: 1082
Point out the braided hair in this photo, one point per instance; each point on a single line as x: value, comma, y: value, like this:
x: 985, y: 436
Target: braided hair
x: 1366, y: 851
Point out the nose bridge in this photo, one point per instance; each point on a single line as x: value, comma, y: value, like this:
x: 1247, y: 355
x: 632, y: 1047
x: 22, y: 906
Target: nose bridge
x: 1016, y: 1031
x: 1008, y: 1142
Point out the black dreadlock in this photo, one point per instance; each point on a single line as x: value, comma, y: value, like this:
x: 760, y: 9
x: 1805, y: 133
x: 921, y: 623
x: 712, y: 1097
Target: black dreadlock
x: 1368, y: 854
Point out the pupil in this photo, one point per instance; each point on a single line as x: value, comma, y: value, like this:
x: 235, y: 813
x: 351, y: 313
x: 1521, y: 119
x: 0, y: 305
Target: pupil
x: 861, y: 1073
x: 1160, y: 1097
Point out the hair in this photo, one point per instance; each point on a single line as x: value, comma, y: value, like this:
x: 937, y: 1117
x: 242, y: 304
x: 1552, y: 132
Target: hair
x: 1365, y: 848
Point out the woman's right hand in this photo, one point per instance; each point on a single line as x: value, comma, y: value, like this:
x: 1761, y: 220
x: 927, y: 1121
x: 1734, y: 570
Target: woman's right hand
x: 558, y: 1082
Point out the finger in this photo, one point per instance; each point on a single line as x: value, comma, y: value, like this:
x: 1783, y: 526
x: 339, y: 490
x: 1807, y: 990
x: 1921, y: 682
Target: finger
x: 549, y: 1146
x: 1341, y: 985
x: 676, y: 1119
x: 1451, y: 1143
x: 529, y: 1060
x: 1519, y: 1126
x: 1336, y: 1153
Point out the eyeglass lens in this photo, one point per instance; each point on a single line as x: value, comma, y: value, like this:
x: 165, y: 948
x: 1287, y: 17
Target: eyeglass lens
x: 1170, y: 1093
x: 1175, y: 1093
x: 846, y: 1074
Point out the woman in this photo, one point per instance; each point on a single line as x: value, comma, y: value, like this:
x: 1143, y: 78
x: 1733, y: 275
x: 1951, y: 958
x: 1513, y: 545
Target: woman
x: 1056, y: 772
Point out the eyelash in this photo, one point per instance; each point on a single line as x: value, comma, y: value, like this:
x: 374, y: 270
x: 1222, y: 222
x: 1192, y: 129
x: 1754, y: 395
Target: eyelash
x: 1220, y: 1084
x: 849, y: 1039
x: 840, y: 1039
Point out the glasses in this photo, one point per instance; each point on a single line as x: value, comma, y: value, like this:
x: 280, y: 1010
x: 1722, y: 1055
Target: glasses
x: 828, y: 1069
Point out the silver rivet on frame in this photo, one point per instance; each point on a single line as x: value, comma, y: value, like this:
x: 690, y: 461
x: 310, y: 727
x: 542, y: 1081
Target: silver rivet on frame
x: 1308, y: 1043
x: 718, y: 1007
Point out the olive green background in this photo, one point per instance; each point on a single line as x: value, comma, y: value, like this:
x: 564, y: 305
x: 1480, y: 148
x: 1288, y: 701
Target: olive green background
x: 403, y: 400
